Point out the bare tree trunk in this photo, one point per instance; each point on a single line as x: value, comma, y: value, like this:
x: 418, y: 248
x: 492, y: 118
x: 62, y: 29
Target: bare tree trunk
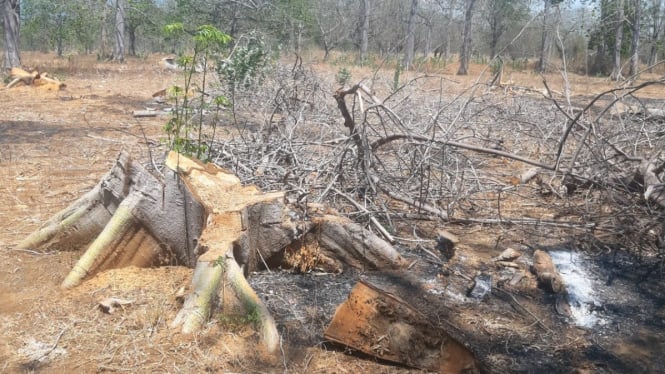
x: 545, y: 41
x: 618, y: 39
x: 428, y: 38
x: 410, y: 35
x: 635, y: 42
x: 131, y: 31
x: 465, y: 49
x: 59, y: 44
x: 119, y: 52
x: 656, y: 30
x: 364, y: 29
x: 103, y: 35
x: 11, y: 11
x: 449, y: 23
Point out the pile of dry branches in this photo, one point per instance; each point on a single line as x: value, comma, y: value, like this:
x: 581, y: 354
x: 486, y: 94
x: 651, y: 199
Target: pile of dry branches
x: 585, y: 170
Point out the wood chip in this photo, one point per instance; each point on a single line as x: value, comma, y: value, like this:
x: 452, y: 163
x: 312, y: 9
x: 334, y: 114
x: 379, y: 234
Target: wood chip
x: 509, y: 254
x: 111, y: 304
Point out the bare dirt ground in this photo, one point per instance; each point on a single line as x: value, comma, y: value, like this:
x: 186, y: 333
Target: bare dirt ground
x: 54, y: 146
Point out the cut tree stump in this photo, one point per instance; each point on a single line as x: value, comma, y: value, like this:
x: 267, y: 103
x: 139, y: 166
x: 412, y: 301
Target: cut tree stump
x: 199, y: 215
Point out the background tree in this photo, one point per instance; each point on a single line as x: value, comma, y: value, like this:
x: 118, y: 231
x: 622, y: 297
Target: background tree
x: 465, y: 49
x: 298, y: 19
x: 363, y: 34
x: 655, y: 15
x: 11, y: 24
x: 119, y: 50
x: 447, y: 8
x: 410, y: 35
x: 618, y: 38
x: 636, y: 24
x: 333, y: 24
x: 545, y: 39
x: 140, y: 14
x: 500, y: 16
x: 426, y: 14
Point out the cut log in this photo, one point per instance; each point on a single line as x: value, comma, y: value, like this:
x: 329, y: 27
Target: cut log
x: 382, y: 325
x: 34, y: 78
x: 144, y: 113
x: 199, y: 215
x: 19, y: 76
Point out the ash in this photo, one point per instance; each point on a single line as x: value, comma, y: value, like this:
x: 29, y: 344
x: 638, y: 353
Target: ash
x: 303, y: 304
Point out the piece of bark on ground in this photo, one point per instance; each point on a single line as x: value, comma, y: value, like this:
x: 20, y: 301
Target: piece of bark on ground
x: 380, y: 324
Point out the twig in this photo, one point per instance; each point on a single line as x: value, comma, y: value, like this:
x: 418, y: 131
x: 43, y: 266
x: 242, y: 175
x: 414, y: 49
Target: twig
x: 372, y: 219
x: 390, y: 138
x: 34, y: 253
x: 436, y: 258
x: 57, y: 340
x: 264, y: 262
x: 516, y: 304
x: 147, y: 145
x: 574, y: 120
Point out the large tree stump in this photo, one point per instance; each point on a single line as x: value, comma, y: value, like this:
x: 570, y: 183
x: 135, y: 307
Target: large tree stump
x: 199, y: 215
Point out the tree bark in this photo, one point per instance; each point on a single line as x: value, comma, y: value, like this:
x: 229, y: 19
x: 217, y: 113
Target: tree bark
x: 465, y: 50
x: 656, y: 28
x: 103, y: 34
x: 11, y: 23
x: 635, y: 41
x: 618, y: 39
x: 379, y: 323
x: 410, y: 35
x: 364, y: 30
x: 131, y: 31
x: 427, y: 49
x: 545, y: 39
x: 449, y: 23
x: 119, y: 51
x: 200, y: 216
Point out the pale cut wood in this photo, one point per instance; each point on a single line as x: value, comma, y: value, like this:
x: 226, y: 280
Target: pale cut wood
x: 144, y: 113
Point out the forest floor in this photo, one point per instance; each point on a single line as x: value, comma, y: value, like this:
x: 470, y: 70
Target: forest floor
x: 55, y: 146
